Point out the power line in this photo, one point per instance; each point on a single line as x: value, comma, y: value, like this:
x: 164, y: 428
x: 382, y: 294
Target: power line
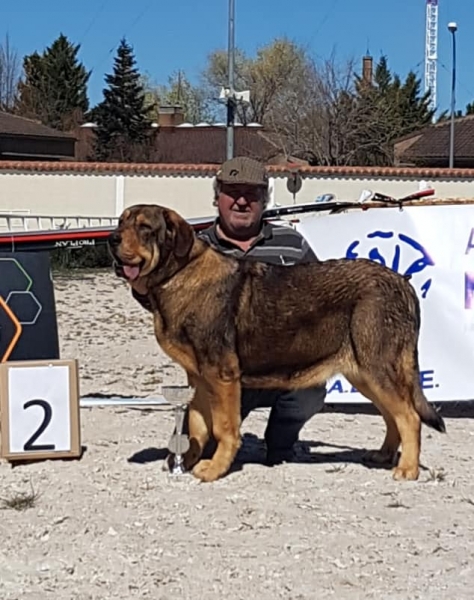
x: 323, y: 21
x: 134, y: 23
x: 93, y: 20
x: 461, y: 83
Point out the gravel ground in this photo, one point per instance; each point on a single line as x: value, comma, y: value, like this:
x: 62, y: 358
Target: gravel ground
x: 114, y: 524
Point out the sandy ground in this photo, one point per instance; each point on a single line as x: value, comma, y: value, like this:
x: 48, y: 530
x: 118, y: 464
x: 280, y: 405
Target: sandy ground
x: 115, y: 525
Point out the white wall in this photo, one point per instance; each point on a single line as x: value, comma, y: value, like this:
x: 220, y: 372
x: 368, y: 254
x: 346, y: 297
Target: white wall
x: 190, y: 196
x: 57, y: 193
x: 350, y: 188
x: 91, y: 189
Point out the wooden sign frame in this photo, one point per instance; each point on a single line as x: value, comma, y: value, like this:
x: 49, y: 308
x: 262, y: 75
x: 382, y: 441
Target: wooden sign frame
x: 74, y: 413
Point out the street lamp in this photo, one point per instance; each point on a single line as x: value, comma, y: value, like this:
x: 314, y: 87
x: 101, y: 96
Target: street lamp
x: 452, y: 28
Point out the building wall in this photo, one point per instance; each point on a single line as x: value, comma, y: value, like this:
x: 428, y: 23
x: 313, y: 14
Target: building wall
x: 90, y: 189
x: 190, y: 196
x: 351, y: 187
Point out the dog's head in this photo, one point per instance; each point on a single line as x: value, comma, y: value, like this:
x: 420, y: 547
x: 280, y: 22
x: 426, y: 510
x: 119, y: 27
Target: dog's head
x: 149, y: 238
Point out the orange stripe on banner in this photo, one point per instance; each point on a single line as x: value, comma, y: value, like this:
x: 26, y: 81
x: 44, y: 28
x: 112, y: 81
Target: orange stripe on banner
x: 18, y: 330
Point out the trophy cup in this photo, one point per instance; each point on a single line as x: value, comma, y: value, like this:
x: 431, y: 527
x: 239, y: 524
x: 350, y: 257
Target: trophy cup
x: 178, y: 396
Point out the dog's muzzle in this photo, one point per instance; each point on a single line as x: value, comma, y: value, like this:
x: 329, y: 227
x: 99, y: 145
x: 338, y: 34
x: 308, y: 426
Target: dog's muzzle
x: 127, y: 271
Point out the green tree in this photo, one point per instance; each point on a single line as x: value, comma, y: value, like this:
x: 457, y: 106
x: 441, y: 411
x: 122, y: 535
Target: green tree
x: 123, y: 118
x: 179, y: 91
x: 391, y: 109
x: 382, y: 76
x: 470, y: 108
x: 54, y: 87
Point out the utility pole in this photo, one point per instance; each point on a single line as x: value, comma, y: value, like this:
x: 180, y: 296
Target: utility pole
x: 228, y: 95
x: 230, y: 83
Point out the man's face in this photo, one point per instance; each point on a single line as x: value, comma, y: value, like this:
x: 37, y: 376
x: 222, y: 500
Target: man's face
x: 240, y: 207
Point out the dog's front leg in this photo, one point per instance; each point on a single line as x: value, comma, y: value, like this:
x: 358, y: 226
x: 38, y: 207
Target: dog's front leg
x: 199, y: 423
x: 224, y: 400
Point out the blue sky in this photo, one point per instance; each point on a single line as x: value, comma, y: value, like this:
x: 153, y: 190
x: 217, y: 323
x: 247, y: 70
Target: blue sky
x: 167, y: 35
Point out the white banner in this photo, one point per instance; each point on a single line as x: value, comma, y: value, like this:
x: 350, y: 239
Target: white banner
x: 436, y: 245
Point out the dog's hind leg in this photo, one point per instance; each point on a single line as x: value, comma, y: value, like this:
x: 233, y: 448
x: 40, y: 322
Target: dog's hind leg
x: 225, y: 411
x: 409, y: 425
x: 387, y: 454
x: 384, y: 345
x: 393, y: 397
x: 402, y: 396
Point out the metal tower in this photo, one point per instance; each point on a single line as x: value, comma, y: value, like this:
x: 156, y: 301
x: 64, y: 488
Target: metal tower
x: 431, y: 49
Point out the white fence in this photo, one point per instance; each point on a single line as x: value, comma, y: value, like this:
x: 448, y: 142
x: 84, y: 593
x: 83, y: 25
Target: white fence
x: 15, y: 221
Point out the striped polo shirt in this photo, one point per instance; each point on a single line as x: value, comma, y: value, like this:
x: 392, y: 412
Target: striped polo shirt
x: 277, y: 244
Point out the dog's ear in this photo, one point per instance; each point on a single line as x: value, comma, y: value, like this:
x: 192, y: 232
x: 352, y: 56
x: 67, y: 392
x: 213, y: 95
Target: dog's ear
x: 182, y: 234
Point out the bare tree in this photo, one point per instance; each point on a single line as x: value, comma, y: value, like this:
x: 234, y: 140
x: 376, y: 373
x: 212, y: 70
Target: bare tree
x: 317, y: 115
x: 10, y: 71
x: 268, y: 76
x: 322, y: 112
x: 298, y: 101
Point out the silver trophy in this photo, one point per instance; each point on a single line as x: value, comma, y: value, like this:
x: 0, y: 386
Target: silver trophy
x: 179, y: 396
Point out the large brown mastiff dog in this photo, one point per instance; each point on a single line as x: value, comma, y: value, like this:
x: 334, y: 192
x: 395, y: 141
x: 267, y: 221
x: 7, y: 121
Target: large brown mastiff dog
x: 232, y: 323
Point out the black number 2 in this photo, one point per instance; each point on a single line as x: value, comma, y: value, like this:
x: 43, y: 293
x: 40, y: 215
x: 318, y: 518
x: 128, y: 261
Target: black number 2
x: 48, y: 413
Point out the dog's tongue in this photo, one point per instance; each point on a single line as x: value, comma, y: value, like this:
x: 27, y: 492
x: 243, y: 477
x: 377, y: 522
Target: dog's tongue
x: 131, y: 272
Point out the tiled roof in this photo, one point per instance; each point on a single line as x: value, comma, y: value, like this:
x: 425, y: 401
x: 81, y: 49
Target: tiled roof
x: 207, y: 145
x: 433, y: 142
x: 195, y: 144
x: 13, y: 125
x: 207, y: 170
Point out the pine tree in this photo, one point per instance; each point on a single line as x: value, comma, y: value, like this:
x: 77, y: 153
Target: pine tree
x: 376, y: 115
x: 54, y: 89
x: 30, y: 101
x: 389, y: 109
x: 382, y: 75
x: 413, y: 106
x: 122, y: 118
x: 67, y: 82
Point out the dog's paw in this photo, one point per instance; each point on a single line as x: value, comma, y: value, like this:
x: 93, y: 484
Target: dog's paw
x: 406, y: 473
x: 207, y: 471
x: 379, y: 457
x: 192, y: 456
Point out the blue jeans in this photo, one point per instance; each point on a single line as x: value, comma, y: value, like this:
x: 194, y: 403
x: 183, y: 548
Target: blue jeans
x: 290, y: 411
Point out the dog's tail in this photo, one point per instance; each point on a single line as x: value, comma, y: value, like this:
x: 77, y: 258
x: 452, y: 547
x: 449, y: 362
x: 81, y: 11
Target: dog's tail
x: 428, y: 413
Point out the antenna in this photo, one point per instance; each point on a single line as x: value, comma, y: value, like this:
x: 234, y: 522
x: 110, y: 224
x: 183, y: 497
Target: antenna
x: 431, y: 50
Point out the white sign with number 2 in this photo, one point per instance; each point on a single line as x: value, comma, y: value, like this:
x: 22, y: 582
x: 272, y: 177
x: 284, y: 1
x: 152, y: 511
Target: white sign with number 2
x: 39, y: 409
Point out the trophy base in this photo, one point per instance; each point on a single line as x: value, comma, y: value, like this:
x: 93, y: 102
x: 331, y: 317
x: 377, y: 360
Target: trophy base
x: 178, y: 471
x: 174, y: 469
x: 179, y: 397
